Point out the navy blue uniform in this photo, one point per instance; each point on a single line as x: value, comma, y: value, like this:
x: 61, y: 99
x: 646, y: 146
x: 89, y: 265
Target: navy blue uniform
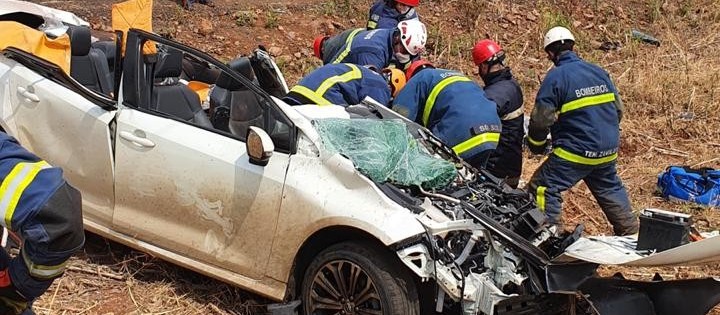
x: 371, y: 48
x: 506, y: 161
x: 37, y: 203
x: 455, y: 109
x: 384, y: 16
x: 585, y: 139
x: 339, y: 84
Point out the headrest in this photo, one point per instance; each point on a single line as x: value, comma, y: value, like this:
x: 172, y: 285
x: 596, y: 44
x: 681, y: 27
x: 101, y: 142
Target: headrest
x: 169, y: 64
x: 243, y: 66
x: 79, y: 40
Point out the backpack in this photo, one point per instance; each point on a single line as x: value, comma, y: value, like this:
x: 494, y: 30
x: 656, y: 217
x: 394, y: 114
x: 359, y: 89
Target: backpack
x: 701, y: 186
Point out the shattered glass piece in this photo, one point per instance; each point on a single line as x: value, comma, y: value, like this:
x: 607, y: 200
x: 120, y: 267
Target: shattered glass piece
x: 384, y: 151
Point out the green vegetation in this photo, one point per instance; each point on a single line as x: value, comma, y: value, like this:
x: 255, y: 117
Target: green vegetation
x: 272, y: 19
x: 245, y: 18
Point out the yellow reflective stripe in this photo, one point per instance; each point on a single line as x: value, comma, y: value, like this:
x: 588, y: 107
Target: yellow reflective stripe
x: 588, y: 101
x: 348, y: 43
x: 371, y: 25
x: 536, y: 143
x: 476, y: 141
x: 353, y: 74
x: 317, y: 95
x: 540, y: 197
x: 14, y: 185
x: 310, y: 94
x: 435, y: 92
x: 43, y: 271
x: 572, y: 157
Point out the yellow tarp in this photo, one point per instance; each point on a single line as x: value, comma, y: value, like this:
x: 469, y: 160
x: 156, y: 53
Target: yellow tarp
x: 57, y: 51
x: 134, y: 14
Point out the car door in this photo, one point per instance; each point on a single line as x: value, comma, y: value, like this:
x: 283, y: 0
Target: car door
x: 65, y: 124
x: 188, y: 188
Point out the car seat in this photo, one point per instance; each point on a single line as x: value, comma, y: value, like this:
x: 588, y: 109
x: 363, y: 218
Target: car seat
x: 241, y: 104
x: 109, y: 48
x: 171, y: 97
x: 88, y: 65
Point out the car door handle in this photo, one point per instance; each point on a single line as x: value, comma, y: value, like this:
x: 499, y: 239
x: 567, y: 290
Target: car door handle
x: 27, y: 94
x: 137, y: 140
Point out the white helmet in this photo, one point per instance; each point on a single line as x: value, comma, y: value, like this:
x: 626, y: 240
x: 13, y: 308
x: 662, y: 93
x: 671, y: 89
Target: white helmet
x: 557, y: 33
x: 413, y: 35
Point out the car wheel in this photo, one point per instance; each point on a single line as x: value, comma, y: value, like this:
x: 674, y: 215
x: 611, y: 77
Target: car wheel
x: 356, y: 278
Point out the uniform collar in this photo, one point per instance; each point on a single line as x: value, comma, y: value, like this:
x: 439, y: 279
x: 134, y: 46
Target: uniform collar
x: 567, y: 57
x: 497, y: 76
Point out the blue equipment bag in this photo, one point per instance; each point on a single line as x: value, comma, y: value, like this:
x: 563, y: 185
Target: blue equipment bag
x: 683, y: 183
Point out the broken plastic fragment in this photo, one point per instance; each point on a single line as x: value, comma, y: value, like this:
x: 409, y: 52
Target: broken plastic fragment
x: 645, y: 38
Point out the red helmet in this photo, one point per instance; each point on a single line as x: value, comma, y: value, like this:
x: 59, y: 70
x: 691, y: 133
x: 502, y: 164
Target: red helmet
x: 416, y: 66
x: 317, y: 45
x: 486, y: 50
x: 412, y: 3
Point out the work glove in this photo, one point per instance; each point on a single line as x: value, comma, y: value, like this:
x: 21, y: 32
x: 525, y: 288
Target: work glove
x: 11, y: 302
x: 536, y: 149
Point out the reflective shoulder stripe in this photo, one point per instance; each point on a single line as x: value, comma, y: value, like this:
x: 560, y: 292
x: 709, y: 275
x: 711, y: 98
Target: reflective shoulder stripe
x: 371, y: 24
x: 310, y: 94
x: 572, y: 157
x: 43, y: 271
x: 540, y: 197
x: 587, y: 101
x: 348, y: 43
x: 475, y: 141
x: 535, y: 142
x: 14, y: 185
x: 353, y: 74
x: 435, y: 92
x: 514, y: 114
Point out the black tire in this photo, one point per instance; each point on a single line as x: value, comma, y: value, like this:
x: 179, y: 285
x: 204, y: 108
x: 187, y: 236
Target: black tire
x: 384, y: 286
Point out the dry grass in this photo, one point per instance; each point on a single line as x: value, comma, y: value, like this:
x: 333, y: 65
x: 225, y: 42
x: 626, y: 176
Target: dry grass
x: 671, y: 94
x: 107, y: 278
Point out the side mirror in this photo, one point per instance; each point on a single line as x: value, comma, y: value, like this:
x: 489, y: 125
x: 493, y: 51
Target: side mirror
x: 259, y: 146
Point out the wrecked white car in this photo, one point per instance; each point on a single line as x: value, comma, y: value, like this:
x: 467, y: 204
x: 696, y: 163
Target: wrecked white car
x: 349, y: 211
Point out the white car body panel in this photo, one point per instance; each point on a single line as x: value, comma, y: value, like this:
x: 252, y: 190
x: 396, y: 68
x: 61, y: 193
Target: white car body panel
x: 617, y: 250
x: 67, y: 130
x: 200, y: 183
x: 324, y: 189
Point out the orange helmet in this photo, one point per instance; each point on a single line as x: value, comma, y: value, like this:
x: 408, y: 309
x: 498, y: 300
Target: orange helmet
x: 416, y: 66
x: 317, y: 45
x: 412, y: 3
x: 487, y: 50
x: 396, y: 79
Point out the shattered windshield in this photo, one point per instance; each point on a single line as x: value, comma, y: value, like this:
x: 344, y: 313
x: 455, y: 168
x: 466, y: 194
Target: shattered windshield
x: 384, y: 151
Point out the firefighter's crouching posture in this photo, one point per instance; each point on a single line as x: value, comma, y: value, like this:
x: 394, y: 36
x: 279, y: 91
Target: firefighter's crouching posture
x: 40, y: 206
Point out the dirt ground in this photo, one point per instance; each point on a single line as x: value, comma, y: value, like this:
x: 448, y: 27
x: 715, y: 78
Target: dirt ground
x: 671, y: 94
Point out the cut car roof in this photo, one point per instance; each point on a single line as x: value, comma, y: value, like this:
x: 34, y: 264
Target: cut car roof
x: 13, y: 6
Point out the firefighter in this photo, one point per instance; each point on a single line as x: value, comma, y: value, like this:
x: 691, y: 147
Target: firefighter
x: 345, y: 84
x: 387, y: 13
x: 501, y: 87
x: 453, y: 107
x: 376, y: 48
x: 38, y: 204
x: 580, y: 106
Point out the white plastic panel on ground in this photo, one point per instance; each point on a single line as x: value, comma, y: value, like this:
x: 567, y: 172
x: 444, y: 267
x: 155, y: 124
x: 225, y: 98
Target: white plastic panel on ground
x: 618, y: 250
